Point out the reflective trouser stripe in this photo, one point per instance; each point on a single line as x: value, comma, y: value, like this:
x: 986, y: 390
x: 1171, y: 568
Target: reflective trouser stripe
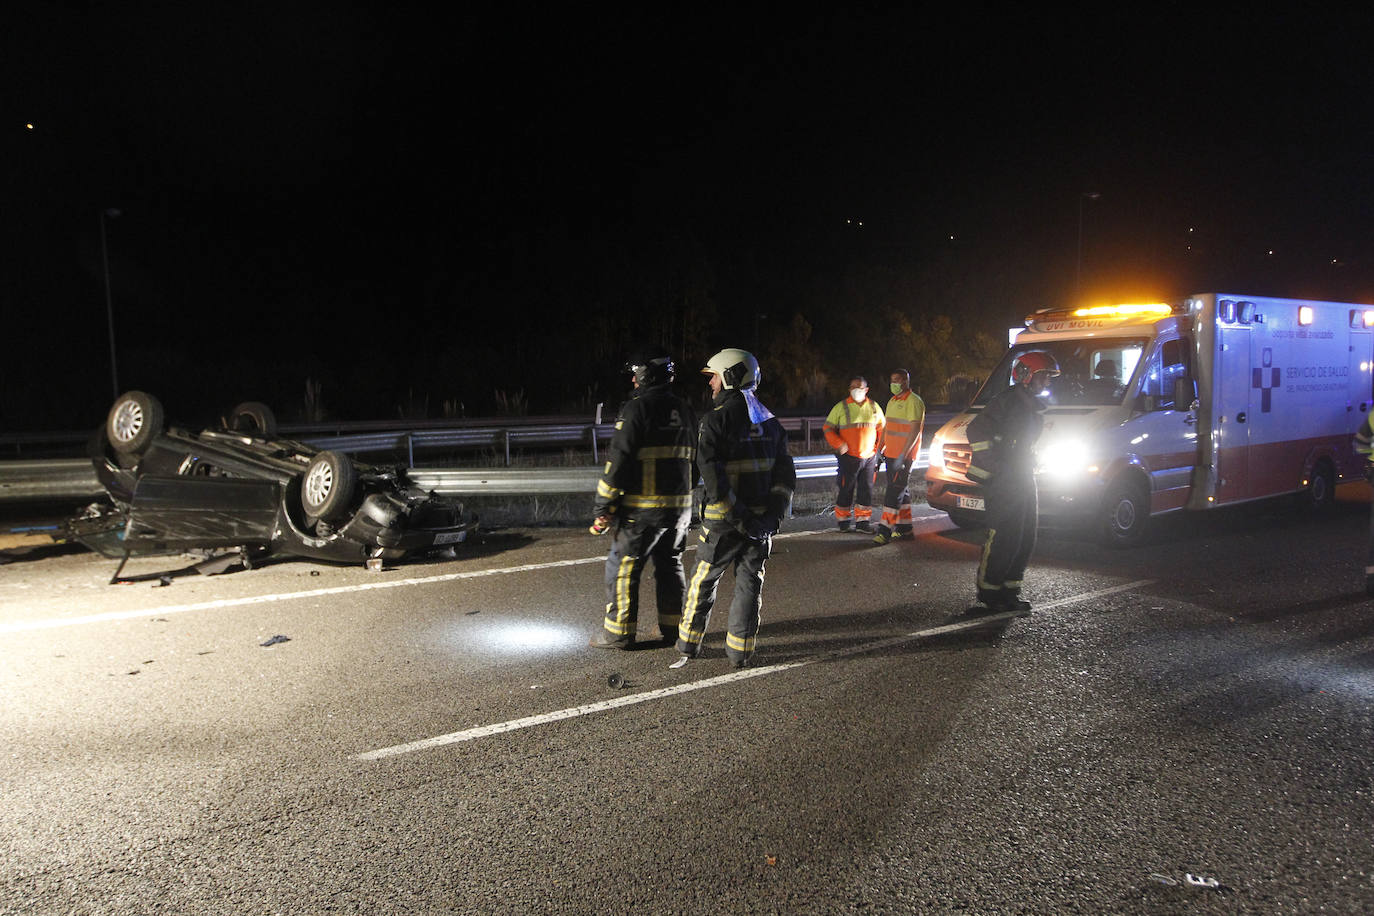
x: 745, y: 645
x: 692, y: 627
x: 618, y: 612
x: 842, y: 513
x: 983, y: 583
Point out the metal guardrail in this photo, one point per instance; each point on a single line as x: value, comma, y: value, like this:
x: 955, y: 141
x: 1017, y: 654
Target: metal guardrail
x: 74, y: 478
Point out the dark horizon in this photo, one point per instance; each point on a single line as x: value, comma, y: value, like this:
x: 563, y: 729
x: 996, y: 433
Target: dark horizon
x: 438, y: 209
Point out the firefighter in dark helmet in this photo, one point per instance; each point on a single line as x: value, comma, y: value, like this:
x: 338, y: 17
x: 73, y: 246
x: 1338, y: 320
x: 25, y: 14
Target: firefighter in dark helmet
x: 749, y: 478
x: 1002, y: 439
x: 645, y: 497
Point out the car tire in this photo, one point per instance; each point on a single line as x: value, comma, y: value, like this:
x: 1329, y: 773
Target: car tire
x: 1125, y: 513
x: 253, y: 417
x: 328, y: 485
x: 967, y: 520
x: 133, y: 422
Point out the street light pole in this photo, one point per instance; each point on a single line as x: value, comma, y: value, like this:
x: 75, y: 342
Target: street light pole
x: 1078, y: 274
x: 109, y: 214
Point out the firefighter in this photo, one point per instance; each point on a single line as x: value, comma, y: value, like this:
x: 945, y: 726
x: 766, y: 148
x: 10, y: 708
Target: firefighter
x: 906, y: 417
x: 645, y: 495
x: 1002, y: 439
x: 749, y: 478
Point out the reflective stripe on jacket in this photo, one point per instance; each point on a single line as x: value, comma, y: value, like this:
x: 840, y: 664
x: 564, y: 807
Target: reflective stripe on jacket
x: 649, y: 468
x: 859, y: 426
x: 905, y: 412
x: 745, y: 466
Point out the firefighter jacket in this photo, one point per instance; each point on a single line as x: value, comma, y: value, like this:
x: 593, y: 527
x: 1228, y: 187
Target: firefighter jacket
x: 748, y: 473
x: 649, y: 474
x: 859, y: 426
x: 906, y: 413
x: 1002, y: 436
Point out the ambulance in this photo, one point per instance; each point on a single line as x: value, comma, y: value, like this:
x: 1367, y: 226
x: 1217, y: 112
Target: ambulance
x: 1212, y: 401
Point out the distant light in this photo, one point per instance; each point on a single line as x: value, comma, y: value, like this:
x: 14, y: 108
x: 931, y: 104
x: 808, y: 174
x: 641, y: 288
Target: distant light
x: 1304, y: 314
x: 1271, y: 252
x: 951, y: 238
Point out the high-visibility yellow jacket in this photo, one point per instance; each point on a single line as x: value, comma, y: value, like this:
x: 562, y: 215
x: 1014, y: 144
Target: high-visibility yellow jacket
x: 859, y: 426
x: 906, y: 412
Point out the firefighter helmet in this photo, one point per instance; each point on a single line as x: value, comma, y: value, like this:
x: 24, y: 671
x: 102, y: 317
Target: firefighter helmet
x: 1024, y: 367
x: 653, y: 367
x: 736, y: 368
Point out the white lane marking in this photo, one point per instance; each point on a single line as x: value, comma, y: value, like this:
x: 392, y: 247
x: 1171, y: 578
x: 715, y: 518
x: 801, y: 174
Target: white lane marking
x: 484, y: 731
x: 22, y: 626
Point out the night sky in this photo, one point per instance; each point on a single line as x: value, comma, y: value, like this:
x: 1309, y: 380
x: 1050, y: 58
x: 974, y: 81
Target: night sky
x: 416, y: 211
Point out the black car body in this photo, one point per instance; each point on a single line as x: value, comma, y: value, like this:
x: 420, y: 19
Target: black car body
x: 243, y: 488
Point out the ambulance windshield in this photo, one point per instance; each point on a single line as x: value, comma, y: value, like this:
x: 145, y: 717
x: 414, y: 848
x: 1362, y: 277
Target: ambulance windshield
x: 1094, y: 372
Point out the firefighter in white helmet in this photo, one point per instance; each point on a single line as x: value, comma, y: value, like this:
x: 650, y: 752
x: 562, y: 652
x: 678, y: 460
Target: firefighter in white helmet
x: 749, y: 477
x: 1002, y: 439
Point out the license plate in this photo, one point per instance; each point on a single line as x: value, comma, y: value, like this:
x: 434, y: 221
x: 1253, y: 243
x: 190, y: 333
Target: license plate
x: 969, y: 502
x: 453, y: 537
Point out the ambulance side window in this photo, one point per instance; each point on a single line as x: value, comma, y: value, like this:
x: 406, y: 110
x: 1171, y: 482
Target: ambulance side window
x: 1169, y: 362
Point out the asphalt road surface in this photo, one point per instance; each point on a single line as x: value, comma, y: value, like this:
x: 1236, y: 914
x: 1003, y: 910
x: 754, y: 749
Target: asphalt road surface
x: 1181, y: 728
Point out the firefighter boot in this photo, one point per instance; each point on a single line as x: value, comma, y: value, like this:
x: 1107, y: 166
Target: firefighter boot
x: 605, y: 639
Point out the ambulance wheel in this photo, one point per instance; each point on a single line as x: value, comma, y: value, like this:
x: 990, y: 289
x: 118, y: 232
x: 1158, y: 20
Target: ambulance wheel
x: 1125, y: 513
x: 1320, y: 494
x: 966, y: 520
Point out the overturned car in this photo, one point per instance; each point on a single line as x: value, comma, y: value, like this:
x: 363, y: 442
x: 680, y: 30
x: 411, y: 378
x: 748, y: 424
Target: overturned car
x: 241, y: 489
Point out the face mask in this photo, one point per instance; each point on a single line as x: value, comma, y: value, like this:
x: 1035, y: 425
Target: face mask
x: 858, y: 394
x: 896, y: 388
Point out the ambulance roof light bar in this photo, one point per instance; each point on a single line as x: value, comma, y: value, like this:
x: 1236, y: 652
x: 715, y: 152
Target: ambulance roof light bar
x: 1125, y: 310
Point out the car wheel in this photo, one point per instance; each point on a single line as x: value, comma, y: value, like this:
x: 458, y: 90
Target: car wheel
x: 966, y: 520
x: 1125, y: 513
x: 327, y: 490
x: 133, y: 422
x: 253, y: 417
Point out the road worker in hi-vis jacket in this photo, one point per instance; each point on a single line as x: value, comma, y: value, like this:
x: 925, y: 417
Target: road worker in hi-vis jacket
x: 854, y: 429
x: 645, y: 495
x: 749, y: 478
x: 1002, y: 438
x: 906, y: 417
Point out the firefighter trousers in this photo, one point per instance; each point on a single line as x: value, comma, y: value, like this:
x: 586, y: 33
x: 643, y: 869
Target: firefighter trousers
x: 635, y: 543
x: 1012, y: 515
x: 855, y: 479
x: 718, y: 551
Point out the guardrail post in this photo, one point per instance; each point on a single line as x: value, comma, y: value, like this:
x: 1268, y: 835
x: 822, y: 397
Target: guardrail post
x: 806, y: 430
x: 505, y: 437
x: 410, y: 448
x: 595, y: 460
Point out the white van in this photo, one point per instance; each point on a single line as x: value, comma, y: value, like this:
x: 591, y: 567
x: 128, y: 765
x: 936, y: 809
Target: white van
x: 1216, y: 400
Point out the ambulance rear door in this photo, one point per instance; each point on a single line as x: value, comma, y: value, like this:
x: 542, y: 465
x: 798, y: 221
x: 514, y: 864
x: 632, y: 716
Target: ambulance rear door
x: 1231, y: 413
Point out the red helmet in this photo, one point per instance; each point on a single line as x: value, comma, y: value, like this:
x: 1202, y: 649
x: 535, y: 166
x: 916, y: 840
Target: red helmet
x: 1024, y: 367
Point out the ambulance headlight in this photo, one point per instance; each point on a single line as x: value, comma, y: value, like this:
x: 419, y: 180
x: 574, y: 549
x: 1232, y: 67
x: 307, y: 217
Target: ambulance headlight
x: 936, y: 458
x: 1065, y: 458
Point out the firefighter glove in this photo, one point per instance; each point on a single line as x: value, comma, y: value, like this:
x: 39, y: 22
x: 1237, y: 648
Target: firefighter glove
x: 600, y: 525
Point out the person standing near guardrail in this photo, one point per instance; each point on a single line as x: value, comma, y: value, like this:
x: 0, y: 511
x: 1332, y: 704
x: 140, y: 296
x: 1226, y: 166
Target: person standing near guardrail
x: 854, y: 430
x: 645, y: 494
x: 749, y: 476
x: 906, y: 417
